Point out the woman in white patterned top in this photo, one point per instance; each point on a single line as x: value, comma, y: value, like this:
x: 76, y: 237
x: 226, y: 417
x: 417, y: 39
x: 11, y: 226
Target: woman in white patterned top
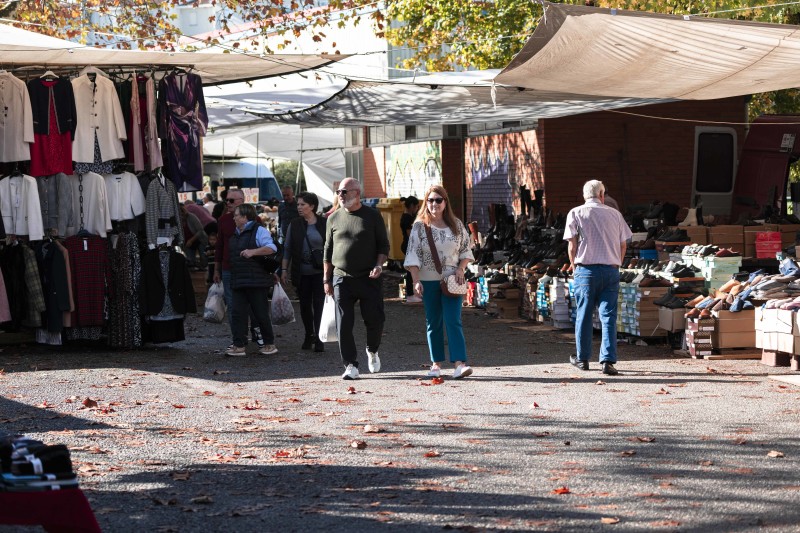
x: 453, y: 248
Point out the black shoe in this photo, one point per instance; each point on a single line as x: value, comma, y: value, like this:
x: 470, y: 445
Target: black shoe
x: 577, y: 363
x: 319, y: 346
x: 255, y: 335
x: 608, y: 369
x: 308, y: 343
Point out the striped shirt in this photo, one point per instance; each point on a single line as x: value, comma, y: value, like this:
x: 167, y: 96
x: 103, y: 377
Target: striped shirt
x: 600, y: 230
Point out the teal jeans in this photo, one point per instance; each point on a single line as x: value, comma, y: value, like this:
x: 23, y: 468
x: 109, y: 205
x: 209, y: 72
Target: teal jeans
x: 443, y: 313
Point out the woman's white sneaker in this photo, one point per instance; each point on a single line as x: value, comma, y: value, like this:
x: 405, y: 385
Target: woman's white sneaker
x: 374, y: 362
x: 462, y: 371
x: 434, y: 372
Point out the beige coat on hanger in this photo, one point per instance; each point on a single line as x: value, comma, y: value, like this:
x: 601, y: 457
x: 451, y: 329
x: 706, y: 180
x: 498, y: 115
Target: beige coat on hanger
x: 16, y: 119
x: 99, y: 112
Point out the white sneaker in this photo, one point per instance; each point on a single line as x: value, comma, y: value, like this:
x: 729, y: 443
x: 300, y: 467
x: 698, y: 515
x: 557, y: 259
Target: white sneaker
x: 374, y: 361
x: 434, y: 372
x: 462, y: 371
x: 413, y: 299
x: 350, y: 373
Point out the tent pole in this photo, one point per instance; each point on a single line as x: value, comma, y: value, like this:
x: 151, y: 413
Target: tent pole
x: 299, y: 164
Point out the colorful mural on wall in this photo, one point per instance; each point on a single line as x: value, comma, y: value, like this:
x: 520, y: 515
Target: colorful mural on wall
x: 412, y: 168
x: 497, y: 166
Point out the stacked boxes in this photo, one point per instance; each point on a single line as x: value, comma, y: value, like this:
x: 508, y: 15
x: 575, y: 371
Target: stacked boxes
x: 789, y: 234
x: 750, y: 236
x: 719, y: 270
x: 503, y: 302
x: 481, y: 292
x: 734, y: 330
x: 699, y: 333
x: 543, y: 299
x: 777, y: 330
x: 559, y: 304
x: 727, y: 237
x: 697, y: 234
x: 671, y: 319
x: 636, y: 312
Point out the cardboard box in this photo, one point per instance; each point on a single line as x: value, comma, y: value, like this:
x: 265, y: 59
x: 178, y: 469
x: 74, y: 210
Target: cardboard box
x: 700, y: 325
x: 699, y: 352
x: 767, y: 250
x: 695, y: 337
x: 774, y: 320
x: 697, y: 234
x: 795, y: 362
x: 733, y: 339
x: 728, y: 322
x: 671, y: 319
x: 725, y: 233
x: 773, y: 358
x: 776, y: 342
x: 749, y: 250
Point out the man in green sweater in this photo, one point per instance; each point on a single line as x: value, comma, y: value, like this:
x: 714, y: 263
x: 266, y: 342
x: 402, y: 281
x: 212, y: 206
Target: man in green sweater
x: 356, y: 246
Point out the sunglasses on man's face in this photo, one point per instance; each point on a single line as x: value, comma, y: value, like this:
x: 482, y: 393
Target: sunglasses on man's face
x: 343, y: 191
x: 231, y: 200
x: 437, y: 200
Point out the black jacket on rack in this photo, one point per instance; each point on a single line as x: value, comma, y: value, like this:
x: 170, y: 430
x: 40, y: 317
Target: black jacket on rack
x: 53, y: 271
x: 64, y: 98
x: 152, y: 290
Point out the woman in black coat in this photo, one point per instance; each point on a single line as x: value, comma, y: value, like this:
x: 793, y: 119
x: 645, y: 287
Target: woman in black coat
x: 303, y: 246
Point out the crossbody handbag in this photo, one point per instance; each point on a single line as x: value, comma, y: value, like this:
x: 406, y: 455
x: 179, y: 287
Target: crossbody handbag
x: 316, y: 255
x: 450, y: 286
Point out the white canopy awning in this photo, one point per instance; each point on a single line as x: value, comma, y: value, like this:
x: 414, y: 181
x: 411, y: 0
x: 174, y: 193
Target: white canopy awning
x: 614, y: 53
x: 20, y: 48
x: 447, y: 98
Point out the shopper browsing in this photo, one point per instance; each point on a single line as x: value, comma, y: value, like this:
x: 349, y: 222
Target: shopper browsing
x: 451, y: 242
x: 597, y: 236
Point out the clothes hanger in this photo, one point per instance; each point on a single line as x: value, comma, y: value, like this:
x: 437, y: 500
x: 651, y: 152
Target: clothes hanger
x: 49, y: 76
x: 91, y: 70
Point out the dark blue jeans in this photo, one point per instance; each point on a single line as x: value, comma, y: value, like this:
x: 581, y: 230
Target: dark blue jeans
x: 255, y: 301
x: 596, y: 286
x: 311, y: 293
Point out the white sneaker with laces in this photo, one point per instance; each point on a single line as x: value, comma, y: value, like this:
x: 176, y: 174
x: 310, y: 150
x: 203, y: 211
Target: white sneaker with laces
x: 350, y: 373
x: 374, y: 361
x: 434, y: 372
x: 462, y: 371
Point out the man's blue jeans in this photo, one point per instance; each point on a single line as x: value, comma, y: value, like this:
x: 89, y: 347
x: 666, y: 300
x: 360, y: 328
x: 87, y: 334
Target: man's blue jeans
x: 596, y: 286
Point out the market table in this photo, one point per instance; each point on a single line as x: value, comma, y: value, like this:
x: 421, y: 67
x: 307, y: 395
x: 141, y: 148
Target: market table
x: 57, y: 511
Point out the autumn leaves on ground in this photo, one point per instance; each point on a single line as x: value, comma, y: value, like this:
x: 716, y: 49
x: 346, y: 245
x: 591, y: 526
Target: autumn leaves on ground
x: 181, y: 438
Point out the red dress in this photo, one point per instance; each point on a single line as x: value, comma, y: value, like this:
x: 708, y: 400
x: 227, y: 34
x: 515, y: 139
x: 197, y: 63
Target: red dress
x: 52, y: 153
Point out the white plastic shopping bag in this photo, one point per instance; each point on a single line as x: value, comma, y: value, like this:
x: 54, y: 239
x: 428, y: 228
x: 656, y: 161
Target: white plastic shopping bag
x: 327, y: 326
x: 214, y: 309
x: 282, y: 309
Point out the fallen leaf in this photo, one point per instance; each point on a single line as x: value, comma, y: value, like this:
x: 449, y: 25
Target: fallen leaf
x: 181, y: 476
x: 220, y: 372
x: 641, y: 439
x: 208, y: 393
x: 534, y: 405
x: 358, y: 444
x: 351, y: 390
x: 627, y: 453
x: 663, y: 391
x: 542, y: 434
x: 89, y: 403
x: 202, y: 499
x: 706, y: 463
x: 609, y: 520
x: 561, y: 490
x: 432, y: 453
x: 372, y: 429
x: 600, y: 382
x: 178, y: 406
x: 775, y: 453
x: 437, y: 381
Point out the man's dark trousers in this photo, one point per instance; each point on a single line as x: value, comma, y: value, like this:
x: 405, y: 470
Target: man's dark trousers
x: 369, y: 293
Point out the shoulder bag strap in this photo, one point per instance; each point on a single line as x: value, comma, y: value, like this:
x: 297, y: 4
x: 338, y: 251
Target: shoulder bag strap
x: 435, y: 254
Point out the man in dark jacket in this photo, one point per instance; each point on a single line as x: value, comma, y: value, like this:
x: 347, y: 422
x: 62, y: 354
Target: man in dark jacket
x: 287, y: 211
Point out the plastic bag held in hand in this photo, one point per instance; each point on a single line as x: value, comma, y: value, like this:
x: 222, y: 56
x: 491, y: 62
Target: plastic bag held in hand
x: 214, y: 310
x: 282, y: 309
x: 327, y: 326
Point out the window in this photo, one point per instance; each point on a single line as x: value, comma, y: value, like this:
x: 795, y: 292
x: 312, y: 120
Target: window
x: 354, y: 165
x: 715, y: 156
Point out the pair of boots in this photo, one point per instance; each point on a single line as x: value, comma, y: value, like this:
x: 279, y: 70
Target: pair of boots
x: 312, y: 340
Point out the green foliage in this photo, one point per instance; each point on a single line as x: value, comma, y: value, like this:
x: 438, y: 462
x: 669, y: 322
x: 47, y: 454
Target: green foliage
x: 286, y: 173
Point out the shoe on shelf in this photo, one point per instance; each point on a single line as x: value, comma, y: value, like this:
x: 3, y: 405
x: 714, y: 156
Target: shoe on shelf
x: 413, y: 299
x: 577, y: 363
x: 462, y: 371
x: 236, y: 351
x: 351, y: 372
x: 374, y: 362
x: 434, y: 372
x: 268, y: 349
x: 609, y: 370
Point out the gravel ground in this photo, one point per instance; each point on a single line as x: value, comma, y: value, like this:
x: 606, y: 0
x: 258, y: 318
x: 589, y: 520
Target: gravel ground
x: 184, y: 439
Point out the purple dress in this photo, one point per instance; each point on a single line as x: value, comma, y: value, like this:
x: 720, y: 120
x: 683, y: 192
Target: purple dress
x: 182, y: 121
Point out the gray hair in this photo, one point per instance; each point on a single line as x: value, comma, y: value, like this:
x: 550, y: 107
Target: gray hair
x: 593, y: 189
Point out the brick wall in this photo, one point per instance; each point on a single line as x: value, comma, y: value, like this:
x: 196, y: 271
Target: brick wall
x: 374, y: 173
x: 453, y: 173
x: 639, y: 159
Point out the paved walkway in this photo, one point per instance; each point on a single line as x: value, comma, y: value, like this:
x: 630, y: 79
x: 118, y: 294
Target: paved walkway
x: 183, y: 439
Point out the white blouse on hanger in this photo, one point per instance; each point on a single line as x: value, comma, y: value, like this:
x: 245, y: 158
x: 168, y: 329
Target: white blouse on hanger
x: 16, y: 119
x: 125, y: 196
x: 19, y: 203
x: 99, y: 112
x: 96, y: 218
